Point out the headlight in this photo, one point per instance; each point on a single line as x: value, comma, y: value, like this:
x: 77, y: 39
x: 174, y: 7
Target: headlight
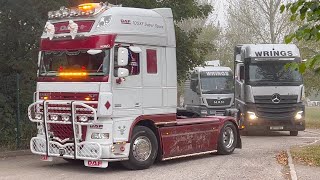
x: 252, y: 115
x: 54, y: 117
x: 65, y: 117
x: 105, y: 20
x: 83, y: 118
x: 100, y: 136
x: 299, y: 115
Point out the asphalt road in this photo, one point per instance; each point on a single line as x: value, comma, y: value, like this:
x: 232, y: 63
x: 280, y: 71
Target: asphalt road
x: 255, y: 161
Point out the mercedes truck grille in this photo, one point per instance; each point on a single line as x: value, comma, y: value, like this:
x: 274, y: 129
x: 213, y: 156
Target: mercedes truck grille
x: 276, y: 106
x: 276, y: 99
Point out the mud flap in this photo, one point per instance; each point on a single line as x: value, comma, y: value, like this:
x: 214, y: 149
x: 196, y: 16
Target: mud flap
x: 239, y: 142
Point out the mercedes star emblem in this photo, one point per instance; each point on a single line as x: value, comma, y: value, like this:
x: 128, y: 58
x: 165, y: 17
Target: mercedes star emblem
x: 276, y: 98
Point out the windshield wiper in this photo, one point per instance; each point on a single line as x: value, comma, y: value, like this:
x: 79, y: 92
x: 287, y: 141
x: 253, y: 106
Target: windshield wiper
x: 100, y: 67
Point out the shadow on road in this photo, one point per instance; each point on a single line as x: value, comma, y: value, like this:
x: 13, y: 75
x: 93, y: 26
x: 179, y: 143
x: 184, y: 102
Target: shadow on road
x: 116, y: 167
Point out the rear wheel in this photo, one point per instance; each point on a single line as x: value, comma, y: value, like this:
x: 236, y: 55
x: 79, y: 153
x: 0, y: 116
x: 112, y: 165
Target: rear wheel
x: 143, y: 149
x: 228, y: 138
x: 294, y: 133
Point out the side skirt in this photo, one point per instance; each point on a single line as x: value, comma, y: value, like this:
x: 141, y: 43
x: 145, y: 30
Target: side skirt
x: 189, y: 155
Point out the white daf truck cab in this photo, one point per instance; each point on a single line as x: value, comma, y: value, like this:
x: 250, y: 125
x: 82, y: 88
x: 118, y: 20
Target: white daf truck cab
x: 269, y: 96
x: 107, y: 91
x: 209, y: 89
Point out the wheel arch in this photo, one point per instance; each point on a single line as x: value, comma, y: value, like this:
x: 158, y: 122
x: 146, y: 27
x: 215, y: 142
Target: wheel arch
x: 152, y: 126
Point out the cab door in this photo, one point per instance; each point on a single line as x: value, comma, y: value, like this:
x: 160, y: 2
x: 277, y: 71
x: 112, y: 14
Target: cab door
x: 127, y: 92
x: 239, y: 84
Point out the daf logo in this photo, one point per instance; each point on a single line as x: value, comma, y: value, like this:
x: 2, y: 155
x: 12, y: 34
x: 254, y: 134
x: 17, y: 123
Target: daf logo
x: 63, y: 28
x: 276, y: 98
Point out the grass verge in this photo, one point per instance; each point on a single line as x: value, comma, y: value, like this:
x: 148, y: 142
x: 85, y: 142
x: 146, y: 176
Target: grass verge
x: 308, y: 155
x: 313, y: 117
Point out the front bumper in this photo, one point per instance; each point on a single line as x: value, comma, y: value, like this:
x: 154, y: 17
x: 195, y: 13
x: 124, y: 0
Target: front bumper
x: 274, y: 117
x: 274, y: 125
x: 67, y: 138
x: 83, y: 150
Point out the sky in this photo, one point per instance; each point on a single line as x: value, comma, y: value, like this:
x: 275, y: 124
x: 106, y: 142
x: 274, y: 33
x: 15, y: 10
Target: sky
x: 219, y: 13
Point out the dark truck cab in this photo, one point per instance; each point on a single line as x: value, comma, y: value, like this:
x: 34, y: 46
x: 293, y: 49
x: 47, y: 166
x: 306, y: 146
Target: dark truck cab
x: 268, y: 96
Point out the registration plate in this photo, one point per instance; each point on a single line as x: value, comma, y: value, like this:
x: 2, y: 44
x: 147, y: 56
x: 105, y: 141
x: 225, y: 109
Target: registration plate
x: 96, y: 163
x: 276, y: 127
x: 213, y: 112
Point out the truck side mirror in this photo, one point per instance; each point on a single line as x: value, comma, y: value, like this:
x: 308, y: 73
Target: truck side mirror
x: 123, y: 56
x: 135, y: 49
x: 194, y: 86
x: 198, y: 90
x: 122, y: 72
x: 242, y: 73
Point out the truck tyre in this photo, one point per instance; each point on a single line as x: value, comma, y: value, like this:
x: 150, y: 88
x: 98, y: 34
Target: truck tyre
x: 228, y: 138
x: 143, y: 149
x: 294, y: 133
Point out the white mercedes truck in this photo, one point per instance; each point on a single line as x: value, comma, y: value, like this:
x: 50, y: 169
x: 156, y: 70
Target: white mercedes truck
x: 268, y: 95
x: 209, y: 89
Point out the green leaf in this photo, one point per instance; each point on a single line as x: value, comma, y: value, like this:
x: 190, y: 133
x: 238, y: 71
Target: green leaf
x: 294, y: 9
x: 288, y: 39
x: 293, y: 17
x: 302, y: 68
x: 313, y: 61
x: 282, y: 8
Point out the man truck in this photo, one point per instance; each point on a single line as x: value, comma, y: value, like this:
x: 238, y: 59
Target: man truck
x: 107, y: 91
x: 209, y: 89
x: 268, y: 94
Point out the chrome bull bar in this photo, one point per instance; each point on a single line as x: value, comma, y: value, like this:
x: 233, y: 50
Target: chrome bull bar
x: 75, y: 150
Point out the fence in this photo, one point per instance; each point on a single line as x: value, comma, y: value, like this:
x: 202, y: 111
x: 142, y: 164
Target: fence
x: 15, y: 128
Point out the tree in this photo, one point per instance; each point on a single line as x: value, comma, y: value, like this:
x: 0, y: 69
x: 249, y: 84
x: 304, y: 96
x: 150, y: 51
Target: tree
x: 21, y: 24
x: 252, y: 22
x: 260, y: 19
x: 307, y: 13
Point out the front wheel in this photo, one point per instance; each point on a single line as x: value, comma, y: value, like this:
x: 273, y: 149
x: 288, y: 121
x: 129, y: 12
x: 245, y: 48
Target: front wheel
x: 228, y: 138
x: 143, y: 149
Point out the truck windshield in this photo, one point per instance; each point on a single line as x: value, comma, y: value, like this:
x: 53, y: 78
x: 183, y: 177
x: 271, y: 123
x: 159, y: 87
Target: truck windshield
x: 216, y: 84
x: 54, y: 62
x: 273, y: 73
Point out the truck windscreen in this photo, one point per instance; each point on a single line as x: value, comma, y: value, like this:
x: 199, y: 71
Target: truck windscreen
x: 272, y: 73
x: 55, y: 63
x: 216, y: 84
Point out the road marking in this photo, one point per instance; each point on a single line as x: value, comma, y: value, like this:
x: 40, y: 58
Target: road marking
x: 293, y: 172
x: 314, y: 142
